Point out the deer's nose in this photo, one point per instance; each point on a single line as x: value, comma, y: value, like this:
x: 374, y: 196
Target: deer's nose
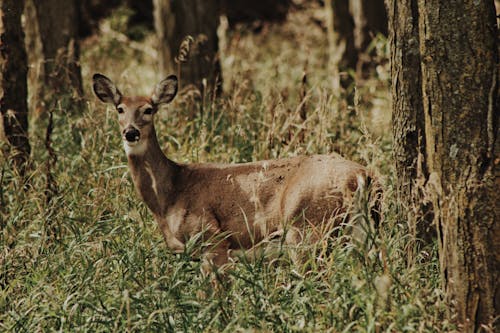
x: 132, y: 134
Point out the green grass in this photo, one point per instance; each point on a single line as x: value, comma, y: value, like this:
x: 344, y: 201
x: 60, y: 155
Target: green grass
x: 93, y: 259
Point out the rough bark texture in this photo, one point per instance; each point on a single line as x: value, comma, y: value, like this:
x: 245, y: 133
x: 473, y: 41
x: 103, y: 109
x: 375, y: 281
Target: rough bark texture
x: 446, y: 72
x: 13, y: 72
x: 407, y: 114
x: 176, y: 19
x: 458, y: 42
x: 58, y: 26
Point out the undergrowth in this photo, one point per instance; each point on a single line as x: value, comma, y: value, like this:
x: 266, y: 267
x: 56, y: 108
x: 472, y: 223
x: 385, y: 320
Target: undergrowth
x: 89, y: 258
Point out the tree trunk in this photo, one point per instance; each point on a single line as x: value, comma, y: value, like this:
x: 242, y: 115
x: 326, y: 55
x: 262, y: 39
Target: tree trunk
x: 408, y: 117
x: 446, y: 72
x: 92, y: 11
x: 249, y: 11
x: 355, y: 22
x: 13, y: 72
x: 370, y: 18
x: 459, y: 88
x: 343, y: 25
x: 198, y: 61
x: 62, y: 82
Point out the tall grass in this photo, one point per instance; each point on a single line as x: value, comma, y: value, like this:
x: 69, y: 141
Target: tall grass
x: 92, y: 259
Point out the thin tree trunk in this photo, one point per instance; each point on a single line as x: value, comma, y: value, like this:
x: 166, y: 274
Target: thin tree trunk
x: 199, y: 63
x: 13, y: 72
x: 58, y: 26
x: 343, y: 25
x: 370, y: 19
x: 408, y: 124
x: 460, y: 91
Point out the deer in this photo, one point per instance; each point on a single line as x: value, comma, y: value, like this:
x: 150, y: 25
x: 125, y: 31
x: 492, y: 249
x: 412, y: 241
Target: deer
x: 239, y: 204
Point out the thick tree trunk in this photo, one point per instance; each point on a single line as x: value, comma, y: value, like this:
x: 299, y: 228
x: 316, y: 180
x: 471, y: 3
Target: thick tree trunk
x: 198, y: 62
x: 58, y: 26
x: 446, y: 72
x: 13, y: 73
x: 459, y: 88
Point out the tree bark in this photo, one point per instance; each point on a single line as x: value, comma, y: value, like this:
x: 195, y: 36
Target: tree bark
x: 13, y: 73
x: 458, y: 42
x: 58, y: 26
x: 197, y: 62
x: 445, y: 98
x: 408, y: 123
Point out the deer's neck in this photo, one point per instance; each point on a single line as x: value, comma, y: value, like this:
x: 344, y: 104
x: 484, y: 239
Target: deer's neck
x: 152, y: 173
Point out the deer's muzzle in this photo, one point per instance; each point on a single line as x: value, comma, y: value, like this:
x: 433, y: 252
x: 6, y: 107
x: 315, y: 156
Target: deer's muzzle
x: 131, y: 134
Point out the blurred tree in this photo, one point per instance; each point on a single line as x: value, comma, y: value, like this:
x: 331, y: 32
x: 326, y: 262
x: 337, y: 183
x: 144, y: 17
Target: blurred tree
x: 370, y: 19
x: 250, y: 11
x: 13, y: 72
x: 343, y: 27
x: 143, y: 12
x: 58, y: 23
x: 355, y: 22
x: 454, y: 92
x: 198, y: 61
x: 92, y: 11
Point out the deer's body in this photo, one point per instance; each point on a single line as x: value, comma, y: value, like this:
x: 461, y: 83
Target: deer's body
x: 243, y: 202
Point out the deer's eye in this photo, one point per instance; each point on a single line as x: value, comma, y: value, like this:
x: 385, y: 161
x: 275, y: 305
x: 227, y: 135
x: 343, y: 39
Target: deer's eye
x: 120, y: 109
x: 148, y: 111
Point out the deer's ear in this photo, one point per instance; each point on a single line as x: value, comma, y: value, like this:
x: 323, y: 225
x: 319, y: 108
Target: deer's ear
x: 165, y: 91
x: 106, y: 90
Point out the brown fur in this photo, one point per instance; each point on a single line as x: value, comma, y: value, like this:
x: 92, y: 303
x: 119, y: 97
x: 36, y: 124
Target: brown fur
x: 244, y: 202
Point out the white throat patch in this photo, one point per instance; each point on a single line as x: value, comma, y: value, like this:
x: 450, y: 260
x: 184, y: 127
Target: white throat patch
x: 135, y: 148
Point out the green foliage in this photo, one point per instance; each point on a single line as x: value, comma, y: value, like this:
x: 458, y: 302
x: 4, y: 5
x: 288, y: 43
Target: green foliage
x: 93, y: 260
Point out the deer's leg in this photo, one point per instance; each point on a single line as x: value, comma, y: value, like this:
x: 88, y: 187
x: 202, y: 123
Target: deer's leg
x: 172, y: 242
x: 217, y: 253
x: 293, y: 238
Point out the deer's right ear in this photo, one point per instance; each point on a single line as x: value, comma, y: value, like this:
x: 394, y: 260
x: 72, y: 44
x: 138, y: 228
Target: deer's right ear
x: 106, y: 90
x: 165, y: 91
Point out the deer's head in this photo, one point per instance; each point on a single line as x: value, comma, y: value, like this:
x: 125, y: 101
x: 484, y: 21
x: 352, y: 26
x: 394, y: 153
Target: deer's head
x: 135, y: 113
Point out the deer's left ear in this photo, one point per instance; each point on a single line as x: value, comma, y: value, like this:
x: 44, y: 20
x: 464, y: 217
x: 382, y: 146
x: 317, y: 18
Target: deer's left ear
x: 106, y: 90
x: 165, y: 91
